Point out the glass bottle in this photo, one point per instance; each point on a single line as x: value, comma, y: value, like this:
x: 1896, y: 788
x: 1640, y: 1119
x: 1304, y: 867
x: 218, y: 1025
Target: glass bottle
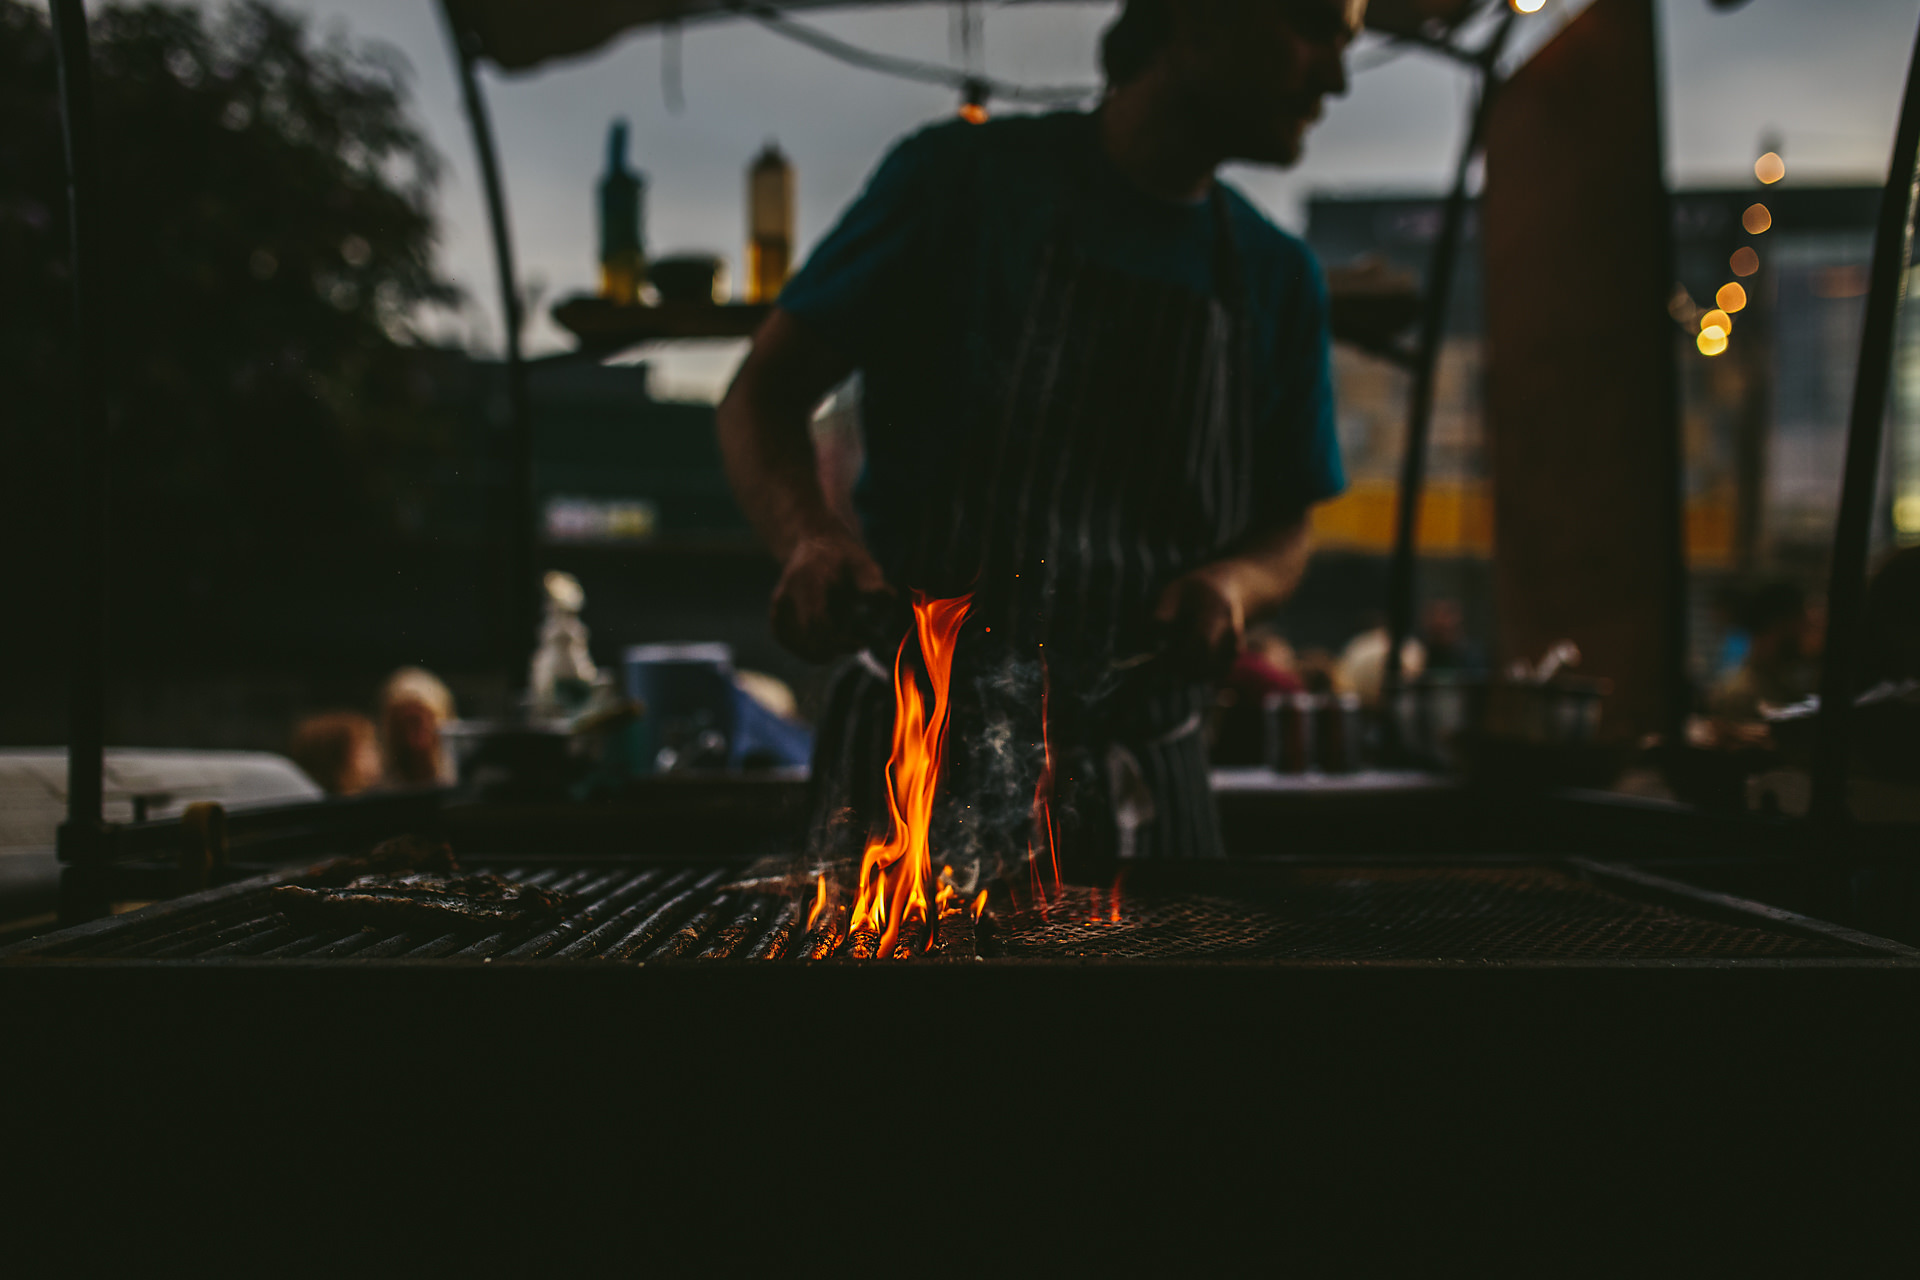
x: 623, y: 259
x: 769, y: 224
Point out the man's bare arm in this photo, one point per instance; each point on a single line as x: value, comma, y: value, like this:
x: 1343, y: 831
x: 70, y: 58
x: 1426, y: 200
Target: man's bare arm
x: 1208, y: 608
x: 766, y: 443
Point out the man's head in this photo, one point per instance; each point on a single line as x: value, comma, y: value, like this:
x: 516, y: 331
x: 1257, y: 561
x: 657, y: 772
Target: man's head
x: 1249, y: 75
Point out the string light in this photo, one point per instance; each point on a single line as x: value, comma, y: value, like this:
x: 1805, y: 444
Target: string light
x: 1770, y: 168
x: 1731, y: 298
x: 1757, y: 219
x: 1744, y: 262
x: 1528, y: 6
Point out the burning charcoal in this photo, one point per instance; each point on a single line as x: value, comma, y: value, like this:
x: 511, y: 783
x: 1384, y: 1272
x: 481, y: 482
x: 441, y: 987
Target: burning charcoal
x: 826, y: 935
x: 954, y: 939
x: 862, y: 944
x: 911, y: 942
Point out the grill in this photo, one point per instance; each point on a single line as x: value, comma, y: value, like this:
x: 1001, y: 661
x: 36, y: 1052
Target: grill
x: 1274, y: 911
x: 1380, y: 913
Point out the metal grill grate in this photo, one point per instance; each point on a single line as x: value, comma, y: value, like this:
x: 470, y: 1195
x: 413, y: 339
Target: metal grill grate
x: 1374, y: 913
x: 620, y: 912
x: 653, y: 914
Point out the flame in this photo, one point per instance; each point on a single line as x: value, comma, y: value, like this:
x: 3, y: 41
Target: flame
x: 819, y: 902
x: 1043, y: 796
x: 980, y: 905
x: 896, y: 874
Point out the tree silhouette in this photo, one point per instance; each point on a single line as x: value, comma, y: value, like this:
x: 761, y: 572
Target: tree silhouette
x: 269, y: 233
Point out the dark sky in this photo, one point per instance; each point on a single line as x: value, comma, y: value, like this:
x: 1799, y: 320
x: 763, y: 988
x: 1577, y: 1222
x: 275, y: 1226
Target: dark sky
x: 1828, y: 84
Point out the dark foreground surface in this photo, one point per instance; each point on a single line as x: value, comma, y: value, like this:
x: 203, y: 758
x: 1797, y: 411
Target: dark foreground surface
x: 1042, y: 1116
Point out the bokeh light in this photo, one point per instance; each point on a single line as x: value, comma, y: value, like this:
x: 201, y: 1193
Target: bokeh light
x: 1744, y: 262
x: 1717, y: 320
x: 1711, y: 342
x: 1756, y: 219
x: 1528, y: 6
x: 1770, y: 168
x: 1731, y: 298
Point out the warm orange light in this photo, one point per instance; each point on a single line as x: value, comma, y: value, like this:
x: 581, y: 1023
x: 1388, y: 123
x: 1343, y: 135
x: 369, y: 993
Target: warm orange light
x: 973, y: 113
x: 896, y: 874
x: 1043, y: 833
x: 1717, y: 320
x: 1528, y: 6
x: 1731, y: 298
x: 1712, y: 341
x: 980, y: 905
x: 1770, y: 168
x: 819, y: 902
x: 1756, y: 219
x: 1744, y: 262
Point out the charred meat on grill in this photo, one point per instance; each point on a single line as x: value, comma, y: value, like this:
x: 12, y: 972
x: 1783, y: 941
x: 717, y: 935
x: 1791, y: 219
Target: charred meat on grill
x: 423, y: 900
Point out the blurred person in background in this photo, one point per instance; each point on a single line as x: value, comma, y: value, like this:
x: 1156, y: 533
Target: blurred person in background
x: 1097, y: 396
x: 414, y: 704
x: 1362, y: 666
x: 1782, y: 662
x: 340, y: 750
x: 1443, y: 632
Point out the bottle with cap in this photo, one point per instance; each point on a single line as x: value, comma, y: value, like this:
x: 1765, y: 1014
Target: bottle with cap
x: 623, y: 259
x: 769, y: 224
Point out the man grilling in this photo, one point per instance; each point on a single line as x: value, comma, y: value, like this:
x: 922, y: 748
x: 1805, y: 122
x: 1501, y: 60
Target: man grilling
x: 1096, y: 395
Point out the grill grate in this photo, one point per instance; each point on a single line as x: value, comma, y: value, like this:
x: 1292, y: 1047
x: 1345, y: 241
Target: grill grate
x: 1375, y: 913
x: 653, y: 914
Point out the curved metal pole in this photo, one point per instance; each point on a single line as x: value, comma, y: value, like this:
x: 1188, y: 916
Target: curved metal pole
x: 82, y: 839
x: 522, y: 612
x: 1853, y: 536
x: 1433, y: 328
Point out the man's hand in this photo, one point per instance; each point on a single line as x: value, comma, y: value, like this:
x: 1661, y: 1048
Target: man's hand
x: 1206, y: 618
x: 816, y: 606
x: 1206, y: 610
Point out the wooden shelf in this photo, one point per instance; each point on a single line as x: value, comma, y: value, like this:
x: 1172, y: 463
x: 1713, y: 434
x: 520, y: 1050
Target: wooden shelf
x: 1369, y: 318
x: 605, y: 326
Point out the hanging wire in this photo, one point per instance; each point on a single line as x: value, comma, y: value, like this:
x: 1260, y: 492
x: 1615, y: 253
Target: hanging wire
x: 671, y: 86
x: 912, y: 68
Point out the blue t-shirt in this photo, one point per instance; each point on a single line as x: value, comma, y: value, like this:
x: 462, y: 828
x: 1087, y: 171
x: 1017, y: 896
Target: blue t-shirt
x: 925, y: 282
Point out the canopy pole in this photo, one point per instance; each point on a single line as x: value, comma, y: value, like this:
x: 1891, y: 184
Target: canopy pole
x: 1853, y: 535
x: 521, y: 612
x: 1441, y: 269
x: 82, y: 839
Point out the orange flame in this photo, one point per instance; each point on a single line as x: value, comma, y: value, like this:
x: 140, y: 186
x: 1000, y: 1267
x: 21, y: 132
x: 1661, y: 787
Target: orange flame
x: 819, y: 902
x: 980, y: 905
x: 1043, y: 796
x: 896, y: 874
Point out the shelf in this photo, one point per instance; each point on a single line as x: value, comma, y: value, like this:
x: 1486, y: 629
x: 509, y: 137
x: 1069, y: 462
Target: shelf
x: 605, y: 326
x: 1370, y: 318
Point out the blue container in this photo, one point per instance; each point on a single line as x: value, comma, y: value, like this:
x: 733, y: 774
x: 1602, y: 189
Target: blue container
x: 691, y: 709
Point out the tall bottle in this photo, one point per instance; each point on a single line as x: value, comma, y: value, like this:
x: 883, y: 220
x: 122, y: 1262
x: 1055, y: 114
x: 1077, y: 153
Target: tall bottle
x: 769, y: 224
x: 623, y: 192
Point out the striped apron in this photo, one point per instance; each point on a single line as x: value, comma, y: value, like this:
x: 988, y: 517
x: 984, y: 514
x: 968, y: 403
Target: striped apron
x: 1117, y: 454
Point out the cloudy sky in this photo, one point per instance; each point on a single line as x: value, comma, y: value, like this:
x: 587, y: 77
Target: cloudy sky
x: 1825, y: 76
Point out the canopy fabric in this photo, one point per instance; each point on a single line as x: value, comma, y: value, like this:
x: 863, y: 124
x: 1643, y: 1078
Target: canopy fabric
x: 517, y: 35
